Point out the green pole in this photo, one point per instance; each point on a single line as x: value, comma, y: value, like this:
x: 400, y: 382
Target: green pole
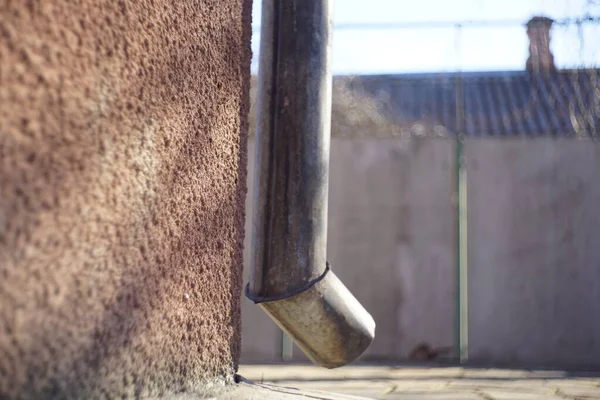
x: 462, y: 325
x: 287, y: 347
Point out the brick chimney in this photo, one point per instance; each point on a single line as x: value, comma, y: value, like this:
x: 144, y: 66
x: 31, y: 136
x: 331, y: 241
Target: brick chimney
x: 540, y: 58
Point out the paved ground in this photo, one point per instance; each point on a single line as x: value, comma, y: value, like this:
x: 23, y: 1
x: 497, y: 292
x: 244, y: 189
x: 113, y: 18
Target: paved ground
x: 435, y: 383
x: 256, y: 391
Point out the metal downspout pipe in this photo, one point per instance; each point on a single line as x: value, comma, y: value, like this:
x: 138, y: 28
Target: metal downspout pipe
x: 290, y: 277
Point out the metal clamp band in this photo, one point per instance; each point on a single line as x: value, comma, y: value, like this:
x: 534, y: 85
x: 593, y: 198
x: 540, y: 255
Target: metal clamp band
x: 260, y: 299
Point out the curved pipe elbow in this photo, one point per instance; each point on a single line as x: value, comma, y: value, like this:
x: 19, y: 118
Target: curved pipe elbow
x: 326, y: 321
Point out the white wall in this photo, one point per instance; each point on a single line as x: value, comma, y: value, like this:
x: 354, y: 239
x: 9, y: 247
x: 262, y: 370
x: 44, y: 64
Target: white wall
x: 534, y: 251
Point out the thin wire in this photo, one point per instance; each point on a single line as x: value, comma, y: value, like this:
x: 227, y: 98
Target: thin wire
x: 452, y: 24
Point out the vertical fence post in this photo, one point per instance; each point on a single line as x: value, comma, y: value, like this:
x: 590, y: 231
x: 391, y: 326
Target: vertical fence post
x: 462, y: 312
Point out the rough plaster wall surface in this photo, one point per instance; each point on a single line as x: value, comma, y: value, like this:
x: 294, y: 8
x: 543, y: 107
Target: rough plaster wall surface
x: 122, y: 187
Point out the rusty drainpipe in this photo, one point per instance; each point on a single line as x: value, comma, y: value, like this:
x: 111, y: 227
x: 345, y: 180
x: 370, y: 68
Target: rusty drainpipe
x: 290, y: 277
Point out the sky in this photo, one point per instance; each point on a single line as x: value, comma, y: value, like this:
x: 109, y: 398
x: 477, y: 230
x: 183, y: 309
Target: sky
x: 475, y: 48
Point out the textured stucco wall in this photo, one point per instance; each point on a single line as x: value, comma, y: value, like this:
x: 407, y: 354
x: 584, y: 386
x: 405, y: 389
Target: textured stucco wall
x: 122, y: 186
